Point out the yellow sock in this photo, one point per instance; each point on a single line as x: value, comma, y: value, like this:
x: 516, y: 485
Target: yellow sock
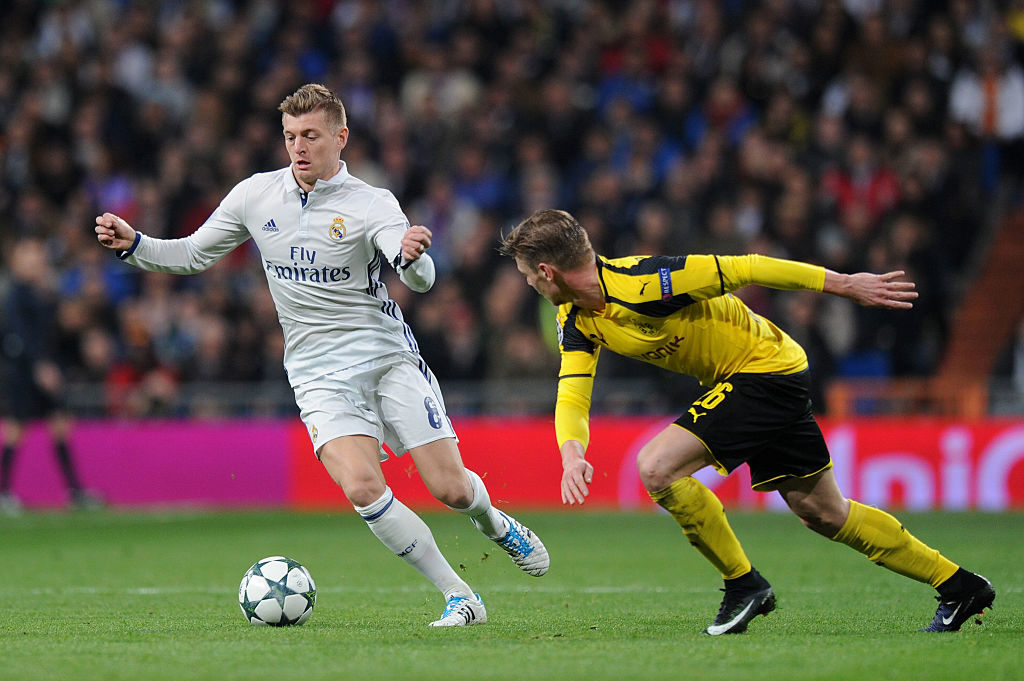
x: 883, y: 539
x: 702, y: 517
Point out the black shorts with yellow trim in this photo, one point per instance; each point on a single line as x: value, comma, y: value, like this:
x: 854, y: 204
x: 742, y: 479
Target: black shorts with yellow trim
x: 764, y: 421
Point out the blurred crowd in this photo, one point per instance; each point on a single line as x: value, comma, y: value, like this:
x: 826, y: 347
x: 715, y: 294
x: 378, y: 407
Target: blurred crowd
x: 856, y: 134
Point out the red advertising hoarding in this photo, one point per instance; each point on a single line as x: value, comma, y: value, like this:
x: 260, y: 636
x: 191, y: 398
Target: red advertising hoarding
x: 913, y: 464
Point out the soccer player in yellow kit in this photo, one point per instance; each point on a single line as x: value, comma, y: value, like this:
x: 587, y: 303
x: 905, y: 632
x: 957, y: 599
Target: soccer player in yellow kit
x: 678, y: 313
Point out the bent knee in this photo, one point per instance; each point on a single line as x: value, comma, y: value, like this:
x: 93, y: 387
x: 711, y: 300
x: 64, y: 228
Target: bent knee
x: 453, y: 491
x: 654, y: 473
x: 456, y: 498
x: 655, y: 479
x: 672, y: 454
x: 362, y: 493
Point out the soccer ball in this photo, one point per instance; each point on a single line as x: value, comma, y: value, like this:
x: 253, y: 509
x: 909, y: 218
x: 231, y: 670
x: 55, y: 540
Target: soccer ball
x: 277, y: 591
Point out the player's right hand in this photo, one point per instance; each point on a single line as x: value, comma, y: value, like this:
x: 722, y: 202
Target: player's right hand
x: 114, y: 233
x: 577, y: 474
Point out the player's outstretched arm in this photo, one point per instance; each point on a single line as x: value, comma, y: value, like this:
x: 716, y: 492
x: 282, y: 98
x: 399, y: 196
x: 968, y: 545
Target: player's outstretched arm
x: 113, y: 232
x: 577, y: 473
x: 872, y: 290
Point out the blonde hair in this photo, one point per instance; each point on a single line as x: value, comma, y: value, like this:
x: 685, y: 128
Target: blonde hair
x: 315, y: 97
x: 550, y: 236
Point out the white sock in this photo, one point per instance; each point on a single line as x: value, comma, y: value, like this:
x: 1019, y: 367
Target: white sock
x: 486, y: 518
x: 409, y: 538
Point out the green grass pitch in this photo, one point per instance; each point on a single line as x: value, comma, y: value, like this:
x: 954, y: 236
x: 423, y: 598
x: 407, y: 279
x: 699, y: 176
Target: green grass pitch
x: 115, y: 595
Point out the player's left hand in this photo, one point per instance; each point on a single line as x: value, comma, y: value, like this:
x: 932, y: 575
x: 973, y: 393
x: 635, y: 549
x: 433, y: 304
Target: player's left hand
x: 873, y: 290
x: 415, y: 242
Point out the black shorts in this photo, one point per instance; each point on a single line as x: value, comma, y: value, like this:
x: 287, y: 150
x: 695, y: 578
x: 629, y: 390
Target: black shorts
x: 764, y: 421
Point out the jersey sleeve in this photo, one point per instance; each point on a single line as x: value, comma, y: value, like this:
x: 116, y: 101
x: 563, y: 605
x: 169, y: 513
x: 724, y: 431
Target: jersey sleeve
x: 575, y: 382
x: 707, y: 276
x: 222, y: 232
x: 738, y: 271
x: 386, y: 224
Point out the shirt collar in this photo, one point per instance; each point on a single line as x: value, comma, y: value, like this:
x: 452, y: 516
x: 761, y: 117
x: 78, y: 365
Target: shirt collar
x: 599, y: 261
x: 338, y: 179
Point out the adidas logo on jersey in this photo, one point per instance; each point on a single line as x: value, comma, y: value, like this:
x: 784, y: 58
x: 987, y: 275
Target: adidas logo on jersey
x: 271, y: 226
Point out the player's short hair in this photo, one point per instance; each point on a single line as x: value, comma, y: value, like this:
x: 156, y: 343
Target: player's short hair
x: 551, y: 236
x: 315, y: 97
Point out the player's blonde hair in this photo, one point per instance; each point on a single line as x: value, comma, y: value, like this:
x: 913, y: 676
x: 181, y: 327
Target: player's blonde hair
x: 551, y: 236
x: 315, y: 97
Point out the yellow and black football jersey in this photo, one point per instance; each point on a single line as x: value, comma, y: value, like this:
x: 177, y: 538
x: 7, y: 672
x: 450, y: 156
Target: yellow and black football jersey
x: 676, y: 312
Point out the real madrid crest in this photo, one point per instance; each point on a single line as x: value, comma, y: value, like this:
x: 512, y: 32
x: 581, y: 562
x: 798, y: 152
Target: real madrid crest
x: 337, y: 230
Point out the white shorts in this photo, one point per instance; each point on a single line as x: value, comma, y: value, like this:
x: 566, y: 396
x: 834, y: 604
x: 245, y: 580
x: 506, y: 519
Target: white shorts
x: 394, y: 399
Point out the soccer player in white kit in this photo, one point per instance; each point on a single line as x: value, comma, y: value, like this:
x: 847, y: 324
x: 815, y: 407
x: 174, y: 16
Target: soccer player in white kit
x: 353, y: 362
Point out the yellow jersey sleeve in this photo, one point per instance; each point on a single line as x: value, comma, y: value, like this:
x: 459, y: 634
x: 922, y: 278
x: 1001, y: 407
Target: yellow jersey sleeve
x: 707, y: 276
x: 572, y: 405
x: 739, y: 271
x: 575, y: 380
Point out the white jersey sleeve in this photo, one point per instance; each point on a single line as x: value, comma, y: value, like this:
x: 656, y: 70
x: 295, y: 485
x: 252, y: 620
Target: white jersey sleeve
x: 222, y: 232
x: 386, y: 225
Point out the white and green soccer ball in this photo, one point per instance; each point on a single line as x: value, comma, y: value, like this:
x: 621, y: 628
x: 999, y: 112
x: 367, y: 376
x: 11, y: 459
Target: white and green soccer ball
x: 277, y: 591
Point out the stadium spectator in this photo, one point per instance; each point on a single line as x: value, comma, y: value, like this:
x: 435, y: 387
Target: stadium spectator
x: 862, y: 181
x: 988, y: 98
x: 33, y: 380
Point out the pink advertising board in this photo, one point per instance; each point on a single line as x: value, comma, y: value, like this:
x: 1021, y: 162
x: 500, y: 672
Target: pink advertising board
x: 165, y: 463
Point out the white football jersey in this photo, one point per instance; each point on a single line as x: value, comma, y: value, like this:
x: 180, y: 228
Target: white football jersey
x: 322, y: 255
